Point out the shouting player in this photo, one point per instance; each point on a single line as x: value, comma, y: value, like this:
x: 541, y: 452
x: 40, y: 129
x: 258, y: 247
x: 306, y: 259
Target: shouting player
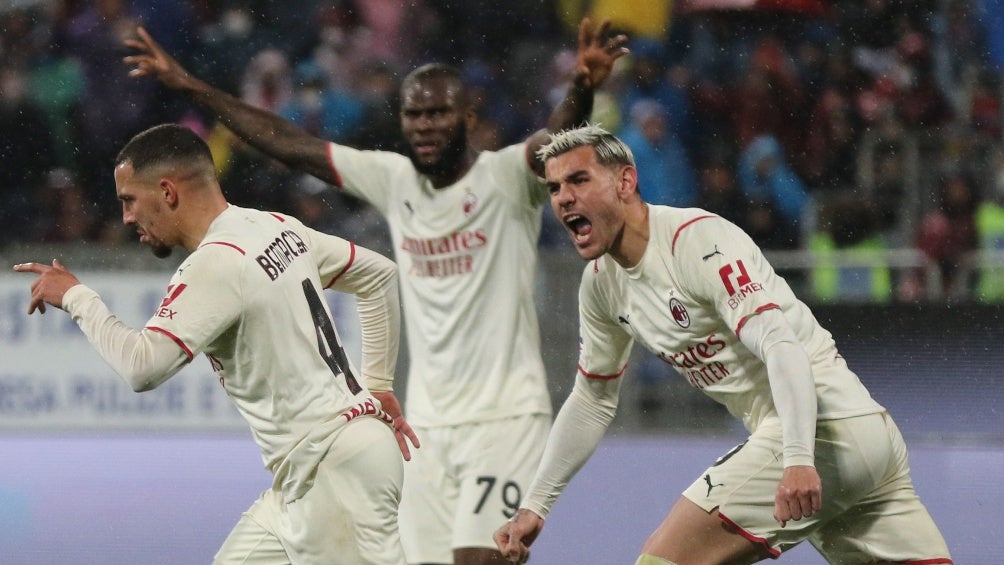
x: 824, y: 461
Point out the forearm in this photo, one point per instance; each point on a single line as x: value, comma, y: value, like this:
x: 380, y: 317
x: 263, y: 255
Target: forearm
x: 380, y: 323
x: 793, y: 389
x: 577, y: 431
x: 571, y: 112
x: 144, y: 359
x: 268, y: 132
x: 575, y: 108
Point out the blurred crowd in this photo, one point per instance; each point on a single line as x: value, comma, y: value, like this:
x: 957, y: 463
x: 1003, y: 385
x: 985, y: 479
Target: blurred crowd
x: 853, y: 128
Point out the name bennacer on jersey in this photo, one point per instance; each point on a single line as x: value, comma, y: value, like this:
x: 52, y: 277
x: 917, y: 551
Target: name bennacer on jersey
x: 444, y: 256
x: 279, y: 254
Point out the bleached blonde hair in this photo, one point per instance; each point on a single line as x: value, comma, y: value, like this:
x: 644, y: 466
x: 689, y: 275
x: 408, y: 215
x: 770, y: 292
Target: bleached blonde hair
x: 610, y: 151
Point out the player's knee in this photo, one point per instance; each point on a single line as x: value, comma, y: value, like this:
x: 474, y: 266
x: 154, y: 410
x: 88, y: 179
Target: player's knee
x: 646, y: 559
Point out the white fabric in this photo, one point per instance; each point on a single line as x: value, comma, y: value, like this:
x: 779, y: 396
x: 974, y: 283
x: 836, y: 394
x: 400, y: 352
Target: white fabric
x: 349, y: 517
x: 577, y: 431
x: 243, y: 299
x: 144, y: 359
x: 467, y: 255
x: 700, y: 282
x: 792, y: 387
x: 456, y: 491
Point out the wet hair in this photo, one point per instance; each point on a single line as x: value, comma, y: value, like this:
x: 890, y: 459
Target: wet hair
x: 167, y: 144
x: 438, y: 71
x: 610, y: 151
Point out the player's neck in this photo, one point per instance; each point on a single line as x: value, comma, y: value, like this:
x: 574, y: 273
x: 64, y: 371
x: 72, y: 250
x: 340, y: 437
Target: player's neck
x: 633, y: 240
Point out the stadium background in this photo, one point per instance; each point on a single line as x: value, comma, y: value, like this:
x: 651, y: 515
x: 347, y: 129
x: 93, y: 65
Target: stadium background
x: 92, y: 473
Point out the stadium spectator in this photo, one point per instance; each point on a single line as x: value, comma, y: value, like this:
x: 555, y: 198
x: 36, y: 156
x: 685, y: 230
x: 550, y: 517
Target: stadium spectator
x: 668, y: 177
x: 947, y: 233
x: 764, y: 175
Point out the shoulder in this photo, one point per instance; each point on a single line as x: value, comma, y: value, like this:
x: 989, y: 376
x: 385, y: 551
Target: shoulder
x: 684, y: 230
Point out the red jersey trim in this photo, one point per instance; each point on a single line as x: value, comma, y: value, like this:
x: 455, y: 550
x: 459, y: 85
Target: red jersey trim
x: 753, y: 538
x: 334, y: 169
x: 764, y: 308
x: 601, y: 377
x: 174, y: 338
x: 352, y: 258
x: 935, y: 561
x: 277, y: 216
x: 672, y: 249
x: 224, y: 243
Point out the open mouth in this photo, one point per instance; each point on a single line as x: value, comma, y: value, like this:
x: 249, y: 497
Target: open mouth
x: 579, y: 226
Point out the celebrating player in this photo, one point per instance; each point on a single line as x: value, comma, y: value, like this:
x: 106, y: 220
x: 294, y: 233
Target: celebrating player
x: 249, y: 297
x: 824, y: 461
x: 465, y: 226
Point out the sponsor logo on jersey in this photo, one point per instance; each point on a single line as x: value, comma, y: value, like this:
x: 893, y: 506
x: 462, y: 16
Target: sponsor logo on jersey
x: 444, y: 256
x: 173, y: 292
x: 696, y: 364
x: 679, y: 312
x: 737, y: 283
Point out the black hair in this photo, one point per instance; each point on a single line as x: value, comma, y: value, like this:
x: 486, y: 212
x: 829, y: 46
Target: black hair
x: 165, y: 143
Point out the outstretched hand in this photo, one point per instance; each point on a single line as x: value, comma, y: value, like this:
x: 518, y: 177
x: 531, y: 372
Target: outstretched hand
x: 50, y: 286
x: 153, y: 61
x: 515, y: 536
x: 597, y: 53
x: 799, y: 494
x: 402, y: 429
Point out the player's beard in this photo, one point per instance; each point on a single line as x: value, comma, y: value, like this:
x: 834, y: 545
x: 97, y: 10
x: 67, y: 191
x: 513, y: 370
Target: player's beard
x: 161, y: 251
x: 449, y: 161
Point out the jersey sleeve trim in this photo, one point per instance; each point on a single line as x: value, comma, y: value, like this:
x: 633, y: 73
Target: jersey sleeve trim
x: 589, y: 375
x: 225, y: 244
x: 753, y: 538
x: 331, y: 163
x: 764, y: 308
x: 175, y: 339
x: 672, y: 250
x: 277, y: 216
x: 352, y: 259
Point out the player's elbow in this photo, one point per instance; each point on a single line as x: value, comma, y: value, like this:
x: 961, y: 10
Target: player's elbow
x: 143, y: 382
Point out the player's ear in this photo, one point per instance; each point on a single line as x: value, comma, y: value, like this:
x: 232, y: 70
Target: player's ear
x: 169, y: 192
x: 627, y: 180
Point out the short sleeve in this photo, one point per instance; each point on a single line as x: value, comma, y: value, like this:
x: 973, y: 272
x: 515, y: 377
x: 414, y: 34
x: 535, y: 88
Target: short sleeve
x: 368, y: 175
x: 514, y: 171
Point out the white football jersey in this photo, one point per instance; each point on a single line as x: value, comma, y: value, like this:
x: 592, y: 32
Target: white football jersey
x: 250, y: 299
x: 700, y: 279
x: 467, y: 255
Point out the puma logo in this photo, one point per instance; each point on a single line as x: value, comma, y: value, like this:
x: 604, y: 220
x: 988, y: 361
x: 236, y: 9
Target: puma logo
x: 707, y: 479
x: 712, y: 254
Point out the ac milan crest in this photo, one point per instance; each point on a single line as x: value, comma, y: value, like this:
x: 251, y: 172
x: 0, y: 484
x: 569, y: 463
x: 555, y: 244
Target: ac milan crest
x: 680, y: 314
x: 470, y: 203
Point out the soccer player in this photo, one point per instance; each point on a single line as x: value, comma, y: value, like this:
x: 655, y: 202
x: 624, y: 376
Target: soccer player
x: 249, y: 297
x: 465, y: 227
x: 824, y: 461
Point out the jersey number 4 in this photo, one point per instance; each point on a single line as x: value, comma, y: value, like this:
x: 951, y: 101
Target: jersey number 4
x: 327, y: 339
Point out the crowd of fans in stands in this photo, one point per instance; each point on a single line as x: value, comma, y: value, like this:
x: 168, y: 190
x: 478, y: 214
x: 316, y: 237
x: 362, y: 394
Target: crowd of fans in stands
x: 876, y: 126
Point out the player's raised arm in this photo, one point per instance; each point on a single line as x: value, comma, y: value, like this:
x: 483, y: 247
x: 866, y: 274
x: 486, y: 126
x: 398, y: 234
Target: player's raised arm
x: 597, y: 51
x: 264, y: 130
